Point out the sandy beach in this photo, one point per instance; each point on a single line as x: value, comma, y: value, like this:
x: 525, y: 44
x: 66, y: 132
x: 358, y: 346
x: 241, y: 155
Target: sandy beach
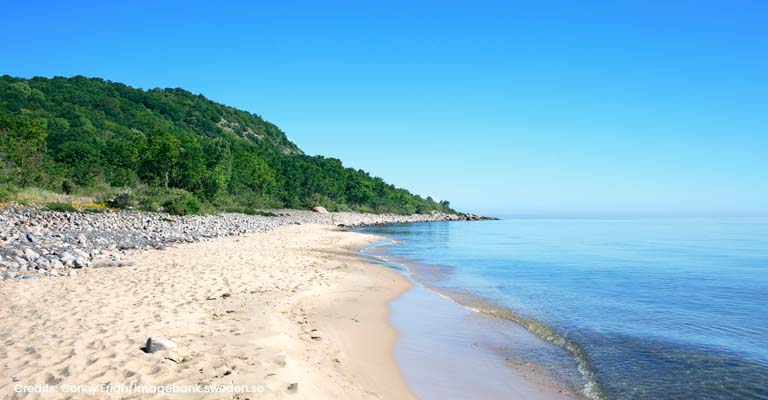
x: 293, y: 313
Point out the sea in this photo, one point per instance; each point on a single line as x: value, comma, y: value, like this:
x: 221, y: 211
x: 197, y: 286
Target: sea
x: 629, y: 308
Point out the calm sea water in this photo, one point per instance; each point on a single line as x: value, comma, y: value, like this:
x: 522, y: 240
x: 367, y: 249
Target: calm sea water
x: 647, y: 308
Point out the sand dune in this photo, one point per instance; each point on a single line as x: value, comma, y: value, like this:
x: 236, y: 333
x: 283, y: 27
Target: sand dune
x: 294, y: 312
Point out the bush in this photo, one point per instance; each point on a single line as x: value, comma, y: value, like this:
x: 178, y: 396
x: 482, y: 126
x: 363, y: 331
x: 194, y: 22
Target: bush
x: 67, y: 186
x: 60, y: 207
x: 122, y: 201
x: 182, y: 203
x: 248, y: 211
x: 7, y: 192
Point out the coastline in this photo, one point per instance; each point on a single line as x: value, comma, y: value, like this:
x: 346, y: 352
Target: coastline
x: 296, y: 311
x: 37, y: 242
x: 451, y: 350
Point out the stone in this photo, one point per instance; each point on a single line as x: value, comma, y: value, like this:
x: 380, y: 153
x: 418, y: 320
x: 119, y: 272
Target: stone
x: 320, y: 209
x: 32, y: 238
x: 65, y: 256
x: 155, y: 344
x: 72, y: 272
x: 43, y: 263
x: 80, y: 262
x: 31, y: 255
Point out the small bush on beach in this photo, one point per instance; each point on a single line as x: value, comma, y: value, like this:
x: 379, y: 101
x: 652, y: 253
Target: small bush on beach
x: 60, y: 207
x: 182, y: 203
x: 248, y: 211
x: 122, y: 201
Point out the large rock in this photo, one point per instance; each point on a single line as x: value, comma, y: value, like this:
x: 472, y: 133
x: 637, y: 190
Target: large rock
x: 320, y: 209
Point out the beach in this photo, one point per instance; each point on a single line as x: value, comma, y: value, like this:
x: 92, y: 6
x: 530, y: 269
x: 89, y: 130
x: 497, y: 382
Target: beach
x: 293, y: 312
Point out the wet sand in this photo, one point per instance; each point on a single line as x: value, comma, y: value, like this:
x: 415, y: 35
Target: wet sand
x: 448, y: 351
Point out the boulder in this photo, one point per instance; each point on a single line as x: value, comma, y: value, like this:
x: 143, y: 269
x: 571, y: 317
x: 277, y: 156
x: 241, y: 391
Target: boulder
x: 320, y: 209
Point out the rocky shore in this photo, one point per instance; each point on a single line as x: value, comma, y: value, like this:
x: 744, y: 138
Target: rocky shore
x: 36, y: 242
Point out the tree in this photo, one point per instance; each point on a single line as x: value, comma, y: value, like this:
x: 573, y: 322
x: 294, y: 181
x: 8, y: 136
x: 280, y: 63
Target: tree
x: 161, y: 158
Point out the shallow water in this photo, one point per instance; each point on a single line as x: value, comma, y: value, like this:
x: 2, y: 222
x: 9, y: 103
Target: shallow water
x: 646, y: 308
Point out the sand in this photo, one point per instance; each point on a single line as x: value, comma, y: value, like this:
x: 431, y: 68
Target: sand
x: 294, y: 313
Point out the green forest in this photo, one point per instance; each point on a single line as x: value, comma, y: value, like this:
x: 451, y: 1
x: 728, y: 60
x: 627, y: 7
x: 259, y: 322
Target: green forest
x: 169, y: 149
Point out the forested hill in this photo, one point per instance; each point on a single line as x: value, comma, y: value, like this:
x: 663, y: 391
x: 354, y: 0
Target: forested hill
x: 88, y: 135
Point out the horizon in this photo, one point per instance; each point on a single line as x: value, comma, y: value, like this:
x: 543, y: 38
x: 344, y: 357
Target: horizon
x: 647, y: 109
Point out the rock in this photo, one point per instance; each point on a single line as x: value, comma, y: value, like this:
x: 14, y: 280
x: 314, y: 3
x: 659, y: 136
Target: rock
x: 158, y: 344
x: 28, y: 276
x: 80, y: 262
x: 31, y: 255
x: 72, y: 272
x: 293, y: 387
x: 32, y: 238
x: 320, y: 209
x: 81, y: 239
x: 43, y: 263
x: 66, y: 256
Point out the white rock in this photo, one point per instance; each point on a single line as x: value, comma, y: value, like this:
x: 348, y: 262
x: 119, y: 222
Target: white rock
x: 156, y: 344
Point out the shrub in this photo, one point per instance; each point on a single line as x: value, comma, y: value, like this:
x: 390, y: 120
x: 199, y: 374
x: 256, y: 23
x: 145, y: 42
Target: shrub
x: 182, y: 203
x: 248, y: 211
x: 60, y: 207
x: 7, y: 192
x: 122, y: 201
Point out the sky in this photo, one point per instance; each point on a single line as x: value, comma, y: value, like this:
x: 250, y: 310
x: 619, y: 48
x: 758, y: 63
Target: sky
x: 506, y: 108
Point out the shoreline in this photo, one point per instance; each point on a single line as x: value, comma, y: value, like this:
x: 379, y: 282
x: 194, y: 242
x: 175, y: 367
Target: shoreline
x: 474, y: 339
x: 36, y: 242
x: 295, y: 311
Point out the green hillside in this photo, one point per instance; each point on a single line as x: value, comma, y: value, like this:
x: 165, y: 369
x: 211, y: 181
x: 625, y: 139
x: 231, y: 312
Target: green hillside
x: 171, y: 148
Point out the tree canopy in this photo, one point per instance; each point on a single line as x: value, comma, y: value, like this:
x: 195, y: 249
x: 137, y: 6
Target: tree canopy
x: 66, y: 134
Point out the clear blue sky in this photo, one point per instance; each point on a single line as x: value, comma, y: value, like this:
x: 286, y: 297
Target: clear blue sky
x: 540, y: 107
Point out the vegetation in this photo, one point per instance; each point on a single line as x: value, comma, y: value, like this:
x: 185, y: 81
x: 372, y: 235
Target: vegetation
x: 61, y: 207
x: 169, y: 149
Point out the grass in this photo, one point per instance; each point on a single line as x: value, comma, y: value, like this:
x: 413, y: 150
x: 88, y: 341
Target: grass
x: 33, y: 195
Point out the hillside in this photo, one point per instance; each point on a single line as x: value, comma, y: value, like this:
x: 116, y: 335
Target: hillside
x: 170, y: 148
